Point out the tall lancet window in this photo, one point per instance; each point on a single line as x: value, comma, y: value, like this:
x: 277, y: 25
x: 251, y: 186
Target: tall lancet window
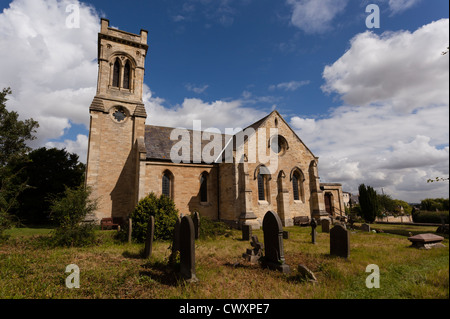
x: 127, y: 75
x: 116, y: 74
x: 204, y: 188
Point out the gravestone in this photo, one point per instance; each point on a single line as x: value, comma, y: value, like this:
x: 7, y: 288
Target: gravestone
x: 175, y: 240
x: 149, y: 238
x: 187, y: 249
x: 339, y: 241
x: 253, y: 255
x: 313, y: 230
x: 306, y: 274
x: 196, y: 220
x: 325, y: 225
x: 273, y: 242
x: 246, y: 232
x: 426, y: 241
x: 365, y: 227
x: 285, y: 234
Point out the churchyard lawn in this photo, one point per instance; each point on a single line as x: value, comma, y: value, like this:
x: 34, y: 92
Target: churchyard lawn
x: 30, y: 269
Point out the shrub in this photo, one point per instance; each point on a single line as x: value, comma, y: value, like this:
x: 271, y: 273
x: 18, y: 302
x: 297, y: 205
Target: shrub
x: 69, y: 212
x: 430, y: 217
x: 212, y: 229
x: 165, y: 213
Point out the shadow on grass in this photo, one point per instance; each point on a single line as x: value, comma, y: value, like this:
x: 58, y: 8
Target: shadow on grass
x: 162, y: 272
x: 132, y: 255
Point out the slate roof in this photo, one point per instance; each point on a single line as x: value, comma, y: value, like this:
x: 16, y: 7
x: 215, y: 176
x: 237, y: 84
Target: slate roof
x: 158, y: 143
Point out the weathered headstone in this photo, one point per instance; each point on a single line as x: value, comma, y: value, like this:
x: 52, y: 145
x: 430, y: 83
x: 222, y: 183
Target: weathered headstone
x: 149, y: 238
x: 339, y: 241
x: 175, y: 240
x: 187, y: 249
x: 365, y: 227
x: 313, y: 230
x: 273, y: 242
x: 426, y: 241
x: 196, y: 220
x: 325, y: 225
x: 253, y: 255
x: 306, y: 274
x: 246, y: 232
x: 285, y: 234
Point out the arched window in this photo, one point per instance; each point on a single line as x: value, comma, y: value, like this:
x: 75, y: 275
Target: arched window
x: 166, y: 184
x: 204, y: 188
x: 126, y: 75
x: 116, y: 74
x: 261, y: 188
x: 297, y: 185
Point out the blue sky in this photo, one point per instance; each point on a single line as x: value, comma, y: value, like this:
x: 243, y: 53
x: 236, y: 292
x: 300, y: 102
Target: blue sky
x: 371, y: 103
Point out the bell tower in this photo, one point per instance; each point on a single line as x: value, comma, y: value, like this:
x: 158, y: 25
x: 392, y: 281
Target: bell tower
x: 117, y: 121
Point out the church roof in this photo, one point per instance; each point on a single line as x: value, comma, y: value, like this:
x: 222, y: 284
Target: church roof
x: 158, y: 143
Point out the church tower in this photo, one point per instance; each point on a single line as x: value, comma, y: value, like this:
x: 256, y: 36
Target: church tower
x: 117, y: 122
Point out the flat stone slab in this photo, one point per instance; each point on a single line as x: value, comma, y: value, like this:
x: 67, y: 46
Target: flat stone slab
x: 426, y: 241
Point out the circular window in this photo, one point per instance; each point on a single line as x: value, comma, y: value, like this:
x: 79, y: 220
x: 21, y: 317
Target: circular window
x: 278, y: 144
x: 119, y: 114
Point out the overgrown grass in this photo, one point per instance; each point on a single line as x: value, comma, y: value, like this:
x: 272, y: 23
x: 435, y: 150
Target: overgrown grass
x: 30, y: 269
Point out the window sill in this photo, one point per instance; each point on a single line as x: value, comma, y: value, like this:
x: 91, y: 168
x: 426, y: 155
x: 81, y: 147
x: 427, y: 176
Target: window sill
x: 263, y: 203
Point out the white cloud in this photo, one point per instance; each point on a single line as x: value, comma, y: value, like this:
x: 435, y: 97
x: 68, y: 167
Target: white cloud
x: 199, y: 89
x: 218, y: 114
x: 393, y: 131
x: 79, y: 146
x: 315, y: 16
x: 289, y: 86
x: 398, y: 6
x: 50, y: 67
x: 403, y: 69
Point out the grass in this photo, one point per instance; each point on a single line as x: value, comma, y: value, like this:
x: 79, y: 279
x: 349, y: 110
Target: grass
x: 29, y: 269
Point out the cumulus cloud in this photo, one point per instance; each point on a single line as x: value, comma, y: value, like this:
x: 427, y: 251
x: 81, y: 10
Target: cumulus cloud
x: 50, y: 67
x: 218, y: 114
x: 315, y: 16
x: 404, y: 69
x: 392, y: 132
x: 79, y: 146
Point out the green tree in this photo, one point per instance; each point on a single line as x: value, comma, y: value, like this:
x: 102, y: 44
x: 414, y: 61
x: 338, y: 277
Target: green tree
x: 13, y: 133
x: 13, y: 137
x: 47, y: 172
x: 69, y: 212
x: 368, y: 201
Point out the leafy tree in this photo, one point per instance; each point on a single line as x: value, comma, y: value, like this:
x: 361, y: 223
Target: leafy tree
x: 13, y: 137
x: 47, y: 172
x: 13, y: 133
x: 368, y: 201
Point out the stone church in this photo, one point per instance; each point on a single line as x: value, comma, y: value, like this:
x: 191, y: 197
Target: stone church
x: 128, y: 159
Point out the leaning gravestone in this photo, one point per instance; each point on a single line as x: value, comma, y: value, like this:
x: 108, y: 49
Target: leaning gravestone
x: 196, y: 220
x: 365, y: 227
x: 325, y: 225
x: 187, y: 249
x: 149, y: 238
x: 246, y: 232
x: 175, y: 240
x: 273, y: 243
x: 339, y: 241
